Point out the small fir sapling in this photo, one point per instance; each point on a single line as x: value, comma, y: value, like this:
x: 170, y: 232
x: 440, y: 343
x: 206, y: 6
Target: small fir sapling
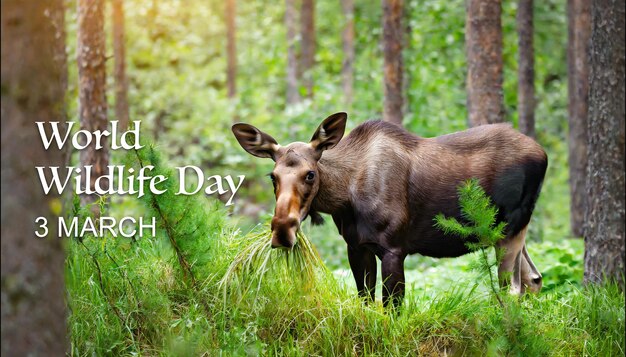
x: 480, y: 225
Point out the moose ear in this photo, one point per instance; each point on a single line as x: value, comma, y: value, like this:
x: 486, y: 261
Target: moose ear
x: 254, y: 141
x: 329, y: 132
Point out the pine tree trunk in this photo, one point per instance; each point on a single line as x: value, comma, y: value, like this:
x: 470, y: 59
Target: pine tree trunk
x: 231, y: 48
x: 34, y: 78
x: 347, y: 37
x: 292, y: 65
x: 119, y: 71
x: 483, y: 38
x: 393, y: 63
x: 579, y: 31
x: 526, y: 69
x: 92, y: 87
x: 307, y: 33
x: 604, y: 212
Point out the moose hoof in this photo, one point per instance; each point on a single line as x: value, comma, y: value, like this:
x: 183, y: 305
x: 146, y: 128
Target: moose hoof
x: 535, y: 283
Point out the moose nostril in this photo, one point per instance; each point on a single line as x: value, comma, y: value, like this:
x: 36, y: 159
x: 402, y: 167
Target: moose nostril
x: 537, y: 281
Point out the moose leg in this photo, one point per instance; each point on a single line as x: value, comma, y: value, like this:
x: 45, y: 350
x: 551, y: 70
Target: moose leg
x: 530, y: 275
x: 370, y: 273
x: 363, y: 265
x: 392, y: 269
x: 510, y: 269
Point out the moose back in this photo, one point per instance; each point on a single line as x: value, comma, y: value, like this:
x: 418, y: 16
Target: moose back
x: 383, y: 187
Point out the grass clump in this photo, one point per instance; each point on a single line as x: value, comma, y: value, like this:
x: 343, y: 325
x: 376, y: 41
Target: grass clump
x: 255, y: 258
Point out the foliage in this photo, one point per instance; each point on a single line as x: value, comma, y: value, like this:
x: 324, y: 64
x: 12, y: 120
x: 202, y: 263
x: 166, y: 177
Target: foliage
x: 176, y: 67
x: 480, y: 214
x: 130, y: 296
x: 161, y: 314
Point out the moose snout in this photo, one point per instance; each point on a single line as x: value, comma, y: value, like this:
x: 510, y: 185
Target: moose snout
x: 284, y: 232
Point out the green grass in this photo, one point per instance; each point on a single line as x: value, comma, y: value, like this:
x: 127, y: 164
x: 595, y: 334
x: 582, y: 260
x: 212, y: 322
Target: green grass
x: 145, y: 307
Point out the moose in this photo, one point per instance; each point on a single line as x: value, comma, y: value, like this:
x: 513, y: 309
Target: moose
x: 383, y: 186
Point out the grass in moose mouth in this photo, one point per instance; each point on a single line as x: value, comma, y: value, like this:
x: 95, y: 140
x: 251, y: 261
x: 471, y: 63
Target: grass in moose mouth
x: 298, y: 265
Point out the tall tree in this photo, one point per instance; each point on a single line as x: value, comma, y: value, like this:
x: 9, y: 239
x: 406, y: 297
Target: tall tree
x: 92, y: 86
x: 604, y: 212
x: 526, y: 68
x: 119, y: 68
x: 347, y: 38
x: 393, y: 63
x: 579, y: 31
x: 292, y: 65
x: 231, y: 48
x: 483, y: 41
x: 33, y: 89
x: 307, y: 34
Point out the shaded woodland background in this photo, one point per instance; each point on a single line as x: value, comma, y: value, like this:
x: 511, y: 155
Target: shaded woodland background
x: 189, y: 69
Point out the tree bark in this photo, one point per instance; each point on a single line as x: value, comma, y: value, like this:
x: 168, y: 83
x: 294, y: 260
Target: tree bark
x: 92, y: 87
x: 604, y: 212
x: 526, y: 69
x: 307, y: 33
x: 393, y: 63
x: 483, y: 37
x: 119, y: 71
x: 347, y: 37
x: 34, y: 81
x: 231, y: 48
x: 292, y: 65
x: 579, y: 31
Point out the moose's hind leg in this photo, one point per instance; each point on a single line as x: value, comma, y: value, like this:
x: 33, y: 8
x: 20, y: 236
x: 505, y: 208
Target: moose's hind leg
x: 531, y: 277
x: 510, y: 269
x: 516, y: 268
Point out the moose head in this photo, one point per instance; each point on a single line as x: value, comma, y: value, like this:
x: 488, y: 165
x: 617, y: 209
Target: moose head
x: 295, y: 175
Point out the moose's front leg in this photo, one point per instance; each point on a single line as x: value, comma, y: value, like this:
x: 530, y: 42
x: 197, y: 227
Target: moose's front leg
x: 363, y: 265
x: 392, y: 269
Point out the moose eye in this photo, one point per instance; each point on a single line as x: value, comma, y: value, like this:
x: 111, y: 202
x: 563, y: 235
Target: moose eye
x: 310, y: 176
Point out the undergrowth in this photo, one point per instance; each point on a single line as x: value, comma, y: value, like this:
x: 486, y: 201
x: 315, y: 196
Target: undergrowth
x: 135, y: 296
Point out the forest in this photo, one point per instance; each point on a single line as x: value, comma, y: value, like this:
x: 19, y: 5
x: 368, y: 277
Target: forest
x: 134, y: 222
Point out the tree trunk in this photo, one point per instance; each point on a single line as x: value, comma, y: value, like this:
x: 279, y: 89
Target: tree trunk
x: 292, y: 65
x: 347, y: 37
x: 34, y: 81
x: 579, y: 31
x: 526, y: 69
x: 92, y: 87
x: 604, y: 212
x: 483, y: 38
x: 119, y: 71
x: 307, y: 33
x: 231, y: 48
x: 393, y: 64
